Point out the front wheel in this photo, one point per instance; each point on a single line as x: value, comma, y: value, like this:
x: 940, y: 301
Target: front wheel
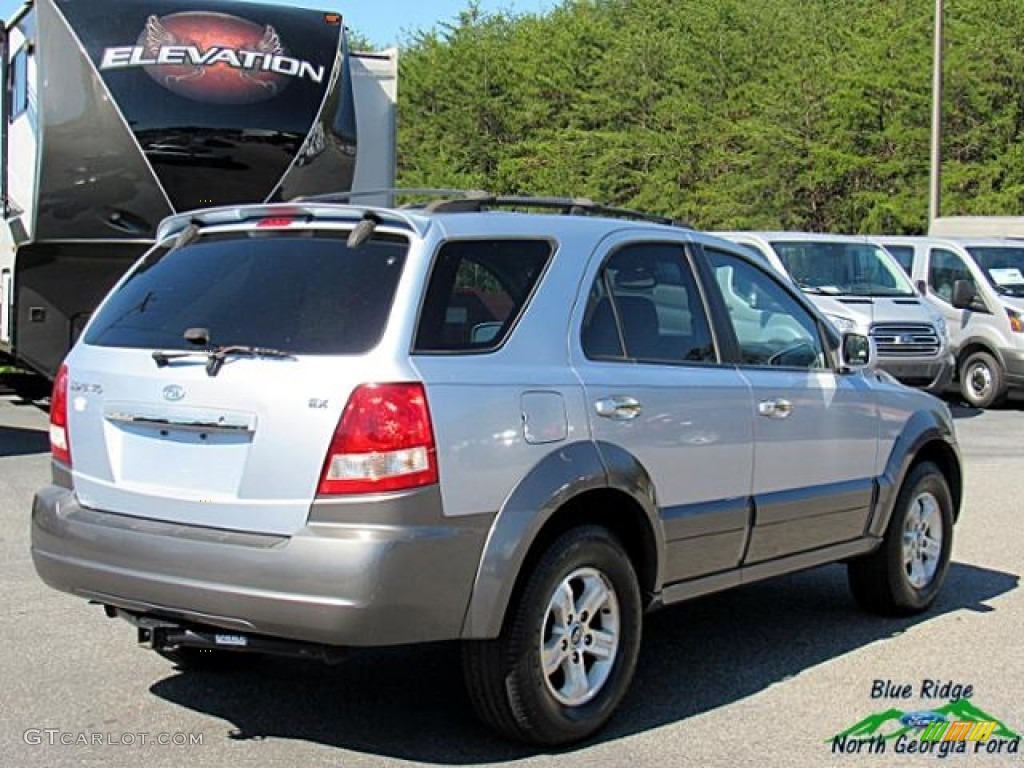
x: 905, y: 574
x: 567, y: 653
x: 982, y: 381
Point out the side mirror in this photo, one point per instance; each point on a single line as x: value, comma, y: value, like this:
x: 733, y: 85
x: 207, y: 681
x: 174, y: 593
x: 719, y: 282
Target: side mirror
x: 857, y: 352
x: 922, y: 287
x: 965, y: 296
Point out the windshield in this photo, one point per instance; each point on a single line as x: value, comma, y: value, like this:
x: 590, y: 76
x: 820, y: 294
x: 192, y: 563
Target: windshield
x: 847, y: 269
x: 1003, y: 266
x: 302, y: 292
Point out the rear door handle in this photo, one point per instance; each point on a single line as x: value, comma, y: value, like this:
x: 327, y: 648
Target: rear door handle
x: 779, y: 408
x: 618, y: 407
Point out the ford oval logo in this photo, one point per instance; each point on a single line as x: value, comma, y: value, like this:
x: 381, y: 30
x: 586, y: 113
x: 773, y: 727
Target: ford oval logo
x: 174, y: 393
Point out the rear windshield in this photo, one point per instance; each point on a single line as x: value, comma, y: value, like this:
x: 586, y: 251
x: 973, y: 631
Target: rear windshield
x: 303, y: 292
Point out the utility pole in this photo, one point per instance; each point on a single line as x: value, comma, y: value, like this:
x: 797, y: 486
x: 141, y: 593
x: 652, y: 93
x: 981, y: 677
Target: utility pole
x: 935, y: 178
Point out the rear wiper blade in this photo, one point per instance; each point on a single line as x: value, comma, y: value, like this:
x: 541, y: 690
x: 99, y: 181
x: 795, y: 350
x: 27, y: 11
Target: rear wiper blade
x: 215, y: 357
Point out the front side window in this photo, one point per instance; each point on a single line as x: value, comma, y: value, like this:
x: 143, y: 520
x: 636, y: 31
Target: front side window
x: 477, y: 291
x: 849, y: 269
x: 1003, y: 266
x: 904, y: 255
x: 772, y: 328
x: 644, y: 306
x: 944, y: 269
x: 302, y: 292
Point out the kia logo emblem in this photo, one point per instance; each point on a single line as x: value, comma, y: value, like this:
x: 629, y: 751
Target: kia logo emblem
x: 174, y: 393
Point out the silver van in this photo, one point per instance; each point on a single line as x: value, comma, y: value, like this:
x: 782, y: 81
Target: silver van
x: 860, y: 287
x: 985, y: 316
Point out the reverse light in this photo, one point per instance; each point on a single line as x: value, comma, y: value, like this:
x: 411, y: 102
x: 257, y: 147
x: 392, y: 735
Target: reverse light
x: 383, y: 442
x: 1016, y: 323
x: 60, y: 445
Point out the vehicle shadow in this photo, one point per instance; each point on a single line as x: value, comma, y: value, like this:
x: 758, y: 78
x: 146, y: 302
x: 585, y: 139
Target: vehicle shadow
x: 962, y: 410
x: 409, y: 704
x: 16, y: 441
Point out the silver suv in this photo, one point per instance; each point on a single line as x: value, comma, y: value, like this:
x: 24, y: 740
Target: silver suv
x: 310, y: 427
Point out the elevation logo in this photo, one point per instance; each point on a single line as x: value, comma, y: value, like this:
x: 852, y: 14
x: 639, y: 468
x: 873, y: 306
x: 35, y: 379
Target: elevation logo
x: 213, y: 57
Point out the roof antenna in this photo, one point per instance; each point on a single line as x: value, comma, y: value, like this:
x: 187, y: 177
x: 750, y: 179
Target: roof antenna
x: 364, y: 230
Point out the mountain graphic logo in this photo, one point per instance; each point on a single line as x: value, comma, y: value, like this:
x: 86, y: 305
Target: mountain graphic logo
x: 888, y: 726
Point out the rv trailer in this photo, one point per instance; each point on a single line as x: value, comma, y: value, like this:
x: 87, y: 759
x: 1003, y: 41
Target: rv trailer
x: 118, y: 113
x: 977, y: 226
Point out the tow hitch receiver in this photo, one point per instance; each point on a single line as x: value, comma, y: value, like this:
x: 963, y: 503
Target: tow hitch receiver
x: 160, y: 634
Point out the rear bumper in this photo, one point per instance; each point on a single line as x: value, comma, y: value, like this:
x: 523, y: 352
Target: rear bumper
x: 342, y: 582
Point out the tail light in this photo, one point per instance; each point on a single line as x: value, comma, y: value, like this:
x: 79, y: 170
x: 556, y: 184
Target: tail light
x: 60, y: 446
x: 383, y: 442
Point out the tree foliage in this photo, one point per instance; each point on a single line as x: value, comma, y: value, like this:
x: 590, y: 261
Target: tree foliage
x: 802, y: 114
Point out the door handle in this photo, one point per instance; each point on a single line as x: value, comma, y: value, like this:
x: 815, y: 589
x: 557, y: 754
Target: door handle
x: 779, y: 408
x: 618, y: 407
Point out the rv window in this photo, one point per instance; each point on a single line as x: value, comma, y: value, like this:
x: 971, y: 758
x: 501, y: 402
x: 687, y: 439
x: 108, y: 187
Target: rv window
x: 18, y: 86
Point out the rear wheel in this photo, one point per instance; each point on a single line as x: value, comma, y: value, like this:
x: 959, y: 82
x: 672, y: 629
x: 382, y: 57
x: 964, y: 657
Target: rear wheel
x: 982, y: 381
x: 905, y: 574
x: 567, y: 653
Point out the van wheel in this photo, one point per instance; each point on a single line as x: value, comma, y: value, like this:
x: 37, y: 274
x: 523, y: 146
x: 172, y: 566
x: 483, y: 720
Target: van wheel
x: 982, y: 381
x: 904, y: 575
x: 567, y: 653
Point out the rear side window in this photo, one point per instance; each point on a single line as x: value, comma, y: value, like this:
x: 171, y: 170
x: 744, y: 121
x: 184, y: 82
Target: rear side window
x: 645, y: 307
x: 303, y: 292
x: 477, y: 291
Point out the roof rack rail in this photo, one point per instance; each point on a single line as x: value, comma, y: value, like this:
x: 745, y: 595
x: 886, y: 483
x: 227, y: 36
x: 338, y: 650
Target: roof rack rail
x: 477, y: 200
x: 344, y: 197
x: 570, y: 206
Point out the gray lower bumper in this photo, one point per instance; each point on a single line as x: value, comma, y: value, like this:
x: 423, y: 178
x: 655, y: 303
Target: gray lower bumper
x: 932, y: 375
x: 1014, y: 362
x: 332, y: 583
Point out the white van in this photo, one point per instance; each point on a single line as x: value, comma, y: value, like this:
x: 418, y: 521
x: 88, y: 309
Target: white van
x: 860, y: 287
x: 979, y: 285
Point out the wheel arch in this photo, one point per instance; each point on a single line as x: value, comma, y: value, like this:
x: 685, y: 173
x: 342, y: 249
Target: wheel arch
x: 927, y: 436
x: 977, y: 344
x: 583, y: 483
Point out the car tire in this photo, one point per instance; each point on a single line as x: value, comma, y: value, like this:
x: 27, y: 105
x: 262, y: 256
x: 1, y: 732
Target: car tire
x: 982, y: 381
x: 569, y: 646
x: 904, y: 575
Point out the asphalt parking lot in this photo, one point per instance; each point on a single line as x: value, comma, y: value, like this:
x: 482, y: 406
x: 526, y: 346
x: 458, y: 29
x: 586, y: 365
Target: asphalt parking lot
x: 764, y: 675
